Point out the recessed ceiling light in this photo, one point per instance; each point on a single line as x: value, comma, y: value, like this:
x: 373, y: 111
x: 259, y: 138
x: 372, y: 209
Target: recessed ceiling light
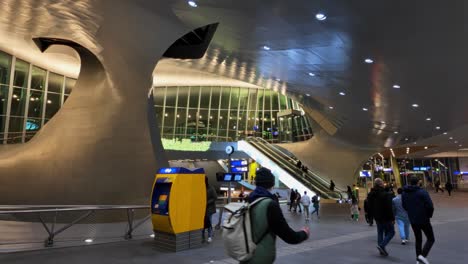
x: 320, y: 16
x: 311, y: 74
x: 88, y: 240
x: 445, y: 133
x: 152, y: 235
x: 368, y: 60
x: 396, y: 86
x: 342, y: 93
x: 406, y: 139
x: 382, y: 122
x: 425, y: 147
x: 428, y: 119
x: 415, y: 105
x: 437, y: 127
x: 415, y: 143
x: 450, y: 138
x: 456, y: 142
x: 266, y: 48
x: 364, y: 109
x: 396, y: 132
x: 331, y: 107
x: 307, y: 94
x: 460, y: 145
x: 192, y: 3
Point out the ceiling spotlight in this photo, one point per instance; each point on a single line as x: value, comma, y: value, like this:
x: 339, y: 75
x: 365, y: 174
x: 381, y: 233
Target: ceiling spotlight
x: 450, y: 138
x: 368, y: 61
x: 320, y: 16
x: 311, y: 74
x: 445, y: 133
x: 342, y: 93
x: 415, y: 105
x: 396, y: 132
x: 425, y: 147
x: 152, y: 235
x: 331, y: 107
x: 364, y: 109
x: 266, y: 48
x: 88, y: 240
x: 414, y: 143
x: 307, y: 94
x: 396, y: 86
x: 192, y: 3
x: 456, y: 142
x: 406, y: 139
x: 437, y: 127
x: 428, y: 119
x: 460, y: 145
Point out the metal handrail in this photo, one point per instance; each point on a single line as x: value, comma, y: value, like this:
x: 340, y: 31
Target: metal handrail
x: 89, y: 210
x: 281, y: 152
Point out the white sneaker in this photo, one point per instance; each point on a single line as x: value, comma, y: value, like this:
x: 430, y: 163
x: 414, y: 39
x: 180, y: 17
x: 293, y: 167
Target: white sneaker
x: 209, y: 240
x: 423, y: 259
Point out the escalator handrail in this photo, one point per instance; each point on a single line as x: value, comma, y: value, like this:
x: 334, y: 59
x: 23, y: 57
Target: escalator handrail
x: 304, y: 178
x: 281, y: 152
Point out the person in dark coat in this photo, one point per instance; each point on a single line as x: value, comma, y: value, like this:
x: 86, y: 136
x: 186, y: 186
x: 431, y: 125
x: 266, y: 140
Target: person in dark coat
x: 368, y: 213
x: 298, y: 201
x: 417, y: 202
x: 270, y: 221
x: 332, y: 186
x: 381, y: 207
x: 449, y: 187
x: 349, y: 192
x: 292, y: 199
x: 211, y: 197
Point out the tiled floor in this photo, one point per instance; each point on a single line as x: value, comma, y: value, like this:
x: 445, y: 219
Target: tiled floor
x: 334, y: 239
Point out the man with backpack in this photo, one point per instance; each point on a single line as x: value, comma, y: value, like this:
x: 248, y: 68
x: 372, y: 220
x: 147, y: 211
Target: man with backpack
x: 267, y: 222
x: 316, y: 204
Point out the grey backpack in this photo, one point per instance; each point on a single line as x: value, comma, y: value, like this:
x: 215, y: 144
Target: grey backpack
x: 237, y: 231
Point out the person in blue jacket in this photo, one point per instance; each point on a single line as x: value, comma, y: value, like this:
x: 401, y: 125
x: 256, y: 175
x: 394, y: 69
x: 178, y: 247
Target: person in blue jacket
x: 418, y: 204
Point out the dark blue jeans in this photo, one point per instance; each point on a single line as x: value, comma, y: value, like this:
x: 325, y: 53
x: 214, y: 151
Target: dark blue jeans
x: 385, y: 233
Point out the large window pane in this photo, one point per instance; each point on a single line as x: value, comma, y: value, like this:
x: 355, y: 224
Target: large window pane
x: 205, y: 97
x: 35, y: 104
x: 38, y: 78
x: 215, y: 94
x: 226, y: 92
x: 234, y: 98
x: 15, y: 131
x: 53, y: 104
x: 5, y: 65
x: 55, y: 83
x: 168, y: 128
x: 21, y: 74
x: 194, y: 95
x: 158, y: 96
x: 183, y: 97
x: 18, y: 102
x: 3, y: 108
x: 171, y: 96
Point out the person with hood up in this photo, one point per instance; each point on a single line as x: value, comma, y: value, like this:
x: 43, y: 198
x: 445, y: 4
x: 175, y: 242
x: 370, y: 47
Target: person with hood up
x: 267, y: 218
x: 417, y: 202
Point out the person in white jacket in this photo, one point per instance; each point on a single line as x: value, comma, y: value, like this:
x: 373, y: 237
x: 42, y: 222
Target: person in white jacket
x: 305, y: 201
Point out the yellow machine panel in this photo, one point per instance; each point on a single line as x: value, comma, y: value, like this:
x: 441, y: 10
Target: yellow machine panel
x: 178, y: 201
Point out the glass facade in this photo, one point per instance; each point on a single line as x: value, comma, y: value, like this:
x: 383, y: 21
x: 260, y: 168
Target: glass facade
x: 29, y: 97
x: 214, y: 113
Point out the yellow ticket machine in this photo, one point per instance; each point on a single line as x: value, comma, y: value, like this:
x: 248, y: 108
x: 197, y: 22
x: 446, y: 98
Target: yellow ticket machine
x: 178, y: 204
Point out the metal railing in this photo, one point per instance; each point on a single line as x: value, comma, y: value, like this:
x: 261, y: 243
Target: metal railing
x: 87, y: 211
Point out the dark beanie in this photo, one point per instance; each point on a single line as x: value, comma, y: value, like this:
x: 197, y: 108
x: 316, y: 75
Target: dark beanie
x: 264, y: 178
x: 414, y: 180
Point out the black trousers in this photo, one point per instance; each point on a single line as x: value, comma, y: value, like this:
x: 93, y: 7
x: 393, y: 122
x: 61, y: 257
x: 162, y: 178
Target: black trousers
x: 429, y: 233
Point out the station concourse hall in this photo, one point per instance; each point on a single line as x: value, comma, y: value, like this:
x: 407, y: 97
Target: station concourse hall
x: 204, y: 131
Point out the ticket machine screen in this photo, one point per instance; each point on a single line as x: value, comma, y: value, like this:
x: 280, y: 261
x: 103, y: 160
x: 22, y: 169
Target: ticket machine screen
x: 160, y: 201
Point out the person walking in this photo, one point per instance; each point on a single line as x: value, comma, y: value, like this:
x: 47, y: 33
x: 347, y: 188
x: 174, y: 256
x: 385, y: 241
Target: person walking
x: 292, y: 199
x: 298, y: 201
x: 449, y: 187
x: 380, y: 203
x: 268, y: 221
x: 401, y: 217
x: 332, y: 186
x: 349, y: 192
x: 211, y: 197
x: 417, y: 202
x: 367, y: 212
x: 316, y: 204
x: 305, y: 201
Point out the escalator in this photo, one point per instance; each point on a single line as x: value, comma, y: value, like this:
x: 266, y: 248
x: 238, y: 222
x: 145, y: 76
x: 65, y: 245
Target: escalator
x: 285, y: 167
